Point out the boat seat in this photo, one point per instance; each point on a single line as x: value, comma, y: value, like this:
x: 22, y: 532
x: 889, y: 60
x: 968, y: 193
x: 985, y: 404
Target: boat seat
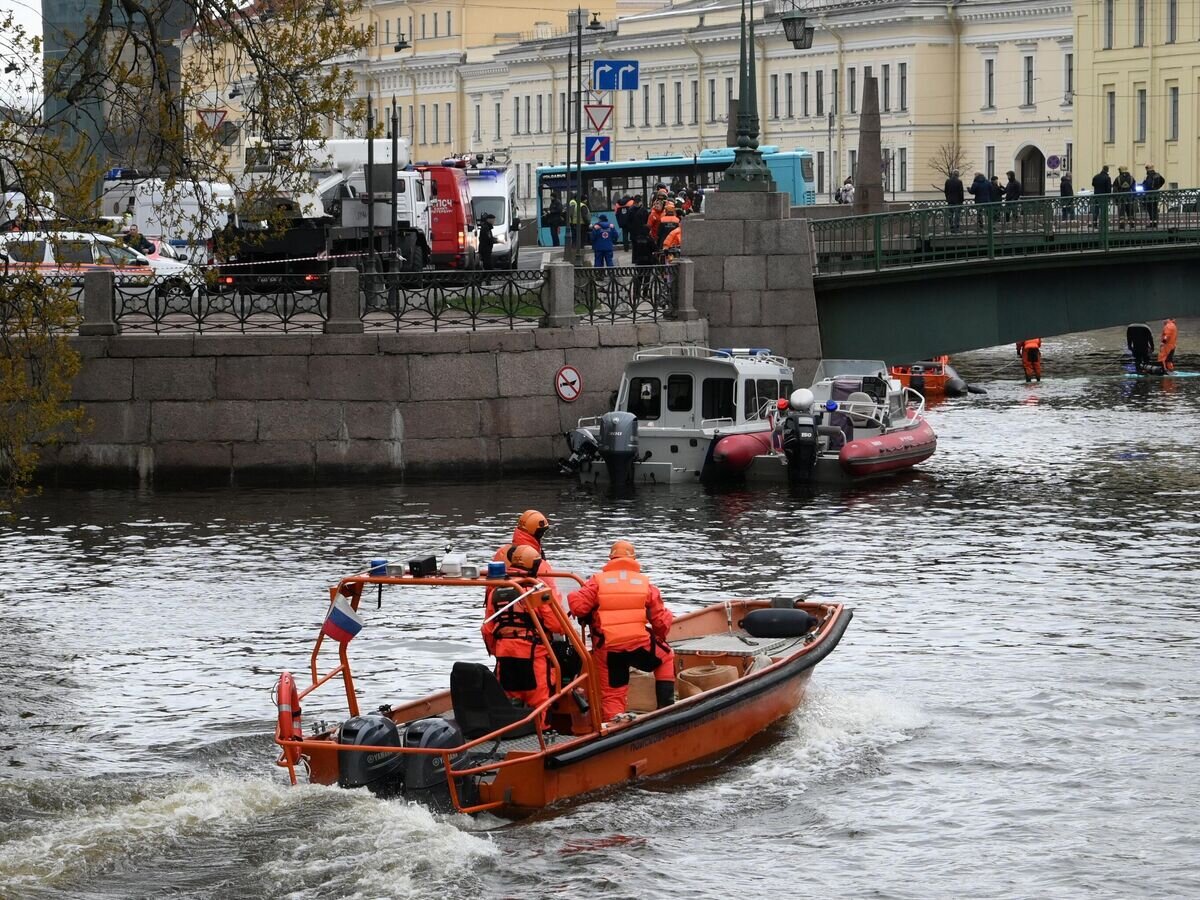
x: 480, y: 704
x: 857, y: 419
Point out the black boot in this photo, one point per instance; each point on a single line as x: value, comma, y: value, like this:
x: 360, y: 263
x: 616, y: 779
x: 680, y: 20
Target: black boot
x: 664, y: 693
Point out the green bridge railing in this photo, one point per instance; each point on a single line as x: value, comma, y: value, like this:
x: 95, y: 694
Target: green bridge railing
x: 1047, y: 225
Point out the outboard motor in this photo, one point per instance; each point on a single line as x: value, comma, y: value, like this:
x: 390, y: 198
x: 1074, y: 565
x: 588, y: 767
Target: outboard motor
x: 380, y: 772
x: 619, y: 445
x: 583, y: 449
x: 426, y: 773
x: 800, y: 435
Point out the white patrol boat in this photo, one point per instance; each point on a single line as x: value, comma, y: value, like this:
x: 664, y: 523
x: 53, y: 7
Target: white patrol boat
x: 675, y: 406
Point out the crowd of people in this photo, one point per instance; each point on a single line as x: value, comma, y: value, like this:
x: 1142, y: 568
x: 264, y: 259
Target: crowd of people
x: 621, y: 609
x: 651, y: 232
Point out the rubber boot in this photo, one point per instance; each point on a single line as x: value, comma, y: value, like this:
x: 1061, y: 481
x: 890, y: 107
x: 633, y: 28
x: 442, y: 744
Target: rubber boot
x: 664, y: 693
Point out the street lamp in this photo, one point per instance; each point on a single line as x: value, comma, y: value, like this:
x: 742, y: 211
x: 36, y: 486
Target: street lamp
x: 401, y: 43
x: 796, y: 28
x: 748, y: 171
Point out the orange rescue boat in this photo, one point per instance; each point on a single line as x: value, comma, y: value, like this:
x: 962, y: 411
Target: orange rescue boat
x: 471, y: 749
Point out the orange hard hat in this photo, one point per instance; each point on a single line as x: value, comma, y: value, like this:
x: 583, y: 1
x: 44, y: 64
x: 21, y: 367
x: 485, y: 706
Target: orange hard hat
x: 670, y: 207
x: 622, y: 548
x: 533, y: 522
x: 525, y: 558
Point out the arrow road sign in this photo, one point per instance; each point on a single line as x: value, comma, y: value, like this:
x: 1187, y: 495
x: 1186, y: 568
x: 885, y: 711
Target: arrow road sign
x: 598, y: 115
x: 597, y: 148
x: 615, y: 74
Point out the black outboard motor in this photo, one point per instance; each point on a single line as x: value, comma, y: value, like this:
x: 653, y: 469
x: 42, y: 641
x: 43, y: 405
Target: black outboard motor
x: 800, y: 444
x: 380, y: 772
x: 619, y: 445
x: 424, y: 774
x: 583, y: 449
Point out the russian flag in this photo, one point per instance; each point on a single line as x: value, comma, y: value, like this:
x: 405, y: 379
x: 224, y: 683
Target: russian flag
x: 342, y: 623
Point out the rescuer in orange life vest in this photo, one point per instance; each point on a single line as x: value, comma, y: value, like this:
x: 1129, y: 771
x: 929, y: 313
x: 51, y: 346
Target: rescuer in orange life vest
x: 531, y: 528
x: 522, y: 660
x: 629, y: 626
x: 1166, y: 349
x: 1030, y: 351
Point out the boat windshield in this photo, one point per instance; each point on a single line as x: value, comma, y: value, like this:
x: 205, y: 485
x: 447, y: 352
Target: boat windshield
x: 834, y: 368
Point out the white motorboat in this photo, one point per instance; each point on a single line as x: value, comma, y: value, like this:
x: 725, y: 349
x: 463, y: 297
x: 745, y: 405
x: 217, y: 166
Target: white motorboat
x: 675, y: 407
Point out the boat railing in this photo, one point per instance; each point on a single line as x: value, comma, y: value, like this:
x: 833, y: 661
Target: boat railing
x: 695, y: 351
x: 717, y: 423
x: 877, y: 414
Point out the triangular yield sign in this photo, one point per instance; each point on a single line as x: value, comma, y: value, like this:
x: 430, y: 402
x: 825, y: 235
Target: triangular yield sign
x: 598, y: 115
x: 212, y: 118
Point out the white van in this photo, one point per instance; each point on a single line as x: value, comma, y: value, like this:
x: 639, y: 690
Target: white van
x: 494, y: 190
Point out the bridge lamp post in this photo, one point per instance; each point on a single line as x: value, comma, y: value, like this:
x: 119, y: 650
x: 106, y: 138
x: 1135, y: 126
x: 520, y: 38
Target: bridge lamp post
x: 748, y: 171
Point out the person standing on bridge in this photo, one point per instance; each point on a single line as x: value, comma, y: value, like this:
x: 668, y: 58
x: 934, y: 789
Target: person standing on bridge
x: 953, y: 190
x: 1012, y: 193
x: 1125, y: 203
x: 1101, y: 186
x: 1152, y: 184
x: 981, y: 192
x: 1066, y: 190
x: 1166, y: 350
x: 1030, y: 351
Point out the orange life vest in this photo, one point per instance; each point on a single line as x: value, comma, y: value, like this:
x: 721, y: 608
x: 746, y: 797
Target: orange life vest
x: 623, y: 592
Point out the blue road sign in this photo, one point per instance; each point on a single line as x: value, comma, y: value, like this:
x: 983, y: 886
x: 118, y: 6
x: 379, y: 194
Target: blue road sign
x: 597, y: 148
x: 614, y: 75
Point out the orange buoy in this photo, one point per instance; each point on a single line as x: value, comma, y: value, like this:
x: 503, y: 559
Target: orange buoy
x: 287, y: 700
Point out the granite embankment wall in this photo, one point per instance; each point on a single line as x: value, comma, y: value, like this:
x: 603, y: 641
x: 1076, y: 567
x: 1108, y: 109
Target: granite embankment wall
x: 197, y: 408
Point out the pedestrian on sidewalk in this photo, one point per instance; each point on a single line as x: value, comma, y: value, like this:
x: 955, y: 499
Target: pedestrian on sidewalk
x: 602, y: 242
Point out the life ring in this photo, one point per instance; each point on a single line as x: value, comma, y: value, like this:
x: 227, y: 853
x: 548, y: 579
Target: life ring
x: 287, y: 700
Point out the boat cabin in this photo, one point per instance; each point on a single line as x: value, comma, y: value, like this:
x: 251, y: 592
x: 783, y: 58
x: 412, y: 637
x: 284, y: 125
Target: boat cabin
x: 695, y: 387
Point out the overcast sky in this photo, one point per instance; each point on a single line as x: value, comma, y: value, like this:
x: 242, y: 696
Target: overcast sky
x: 14, y: 89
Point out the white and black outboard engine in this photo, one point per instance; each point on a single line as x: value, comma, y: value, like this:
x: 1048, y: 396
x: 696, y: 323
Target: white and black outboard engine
x: 583, y: 449
x: 380, y: 772
x: 619, y: 445
x: 800, y: 435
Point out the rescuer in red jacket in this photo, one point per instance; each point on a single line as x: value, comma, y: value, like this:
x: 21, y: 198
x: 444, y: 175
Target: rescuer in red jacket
x: 629, y: 626
x: 522, y: 660
x: 1030, y: 351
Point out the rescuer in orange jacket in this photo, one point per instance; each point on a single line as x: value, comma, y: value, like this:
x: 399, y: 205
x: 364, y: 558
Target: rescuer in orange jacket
x: 629, y: 626
x: 522, y: 660
x: 1030, y: 351
x: 1166, y: 349
x: 531, y: 528
x: 673, y: 241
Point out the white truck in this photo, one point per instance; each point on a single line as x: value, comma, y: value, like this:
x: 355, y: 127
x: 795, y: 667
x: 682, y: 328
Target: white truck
x: 181, y: 212
x: 494, y: 190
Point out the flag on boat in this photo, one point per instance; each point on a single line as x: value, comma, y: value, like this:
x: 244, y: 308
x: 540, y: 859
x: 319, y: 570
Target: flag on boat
x: 342, y: 623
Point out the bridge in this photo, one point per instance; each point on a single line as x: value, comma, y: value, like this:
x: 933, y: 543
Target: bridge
x: 907, y: 285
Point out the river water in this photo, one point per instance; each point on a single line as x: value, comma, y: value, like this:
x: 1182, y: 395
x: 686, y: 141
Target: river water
x: 1012, y: 713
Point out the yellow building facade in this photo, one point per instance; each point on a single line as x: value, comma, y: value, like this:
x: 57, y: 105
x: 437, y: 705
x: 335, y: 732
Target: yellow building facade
x: 1138, y: 83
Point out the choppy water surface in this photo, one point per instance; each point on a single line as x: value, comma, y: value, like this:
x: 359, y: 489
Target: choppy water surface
x: 1013, y: 712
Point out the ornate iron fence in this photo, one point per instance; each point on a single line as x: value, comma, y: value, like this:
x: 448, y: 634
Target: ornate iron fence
x: 453, y: 300
x: 284, y: 303
x: 626, y: 294
x: 1048, y: 225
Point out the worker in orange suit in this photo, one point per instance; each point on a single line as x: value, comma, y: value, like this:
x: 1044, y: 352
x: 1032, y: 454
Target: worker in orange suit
x: 1166, y: 348
x: 531, y: 528
x: 629, y: 626
x: 1030, y: 351
x: 522, y: 659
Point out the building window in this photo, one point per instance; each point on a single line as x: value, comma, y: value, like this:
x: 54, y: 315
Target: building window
x: 774, y: 96
x: 629, y: 111
x: 1069, y: 157
x: 1028, y: 81
x: 449, y: 30
x: 833, y: 91
x: 539, y: 114
x: 662, y: 104
x: 563, y: 108
x: 387, y: 31
x: 851, y: 90
x: 790, y: 109
x: 478, y: 135
x: 695, y: 101
x: 1141, y: 116
x: 903, y: 169
x: 516, y: 115
x: 1139, y: 23
x: 903, y: 87
x: 820, y: 171
x: 989, y: 154
x: 712, y: 100
x: 1108, y: 24
x: 728, y: 97
x: 1110, y: 116
x: 1069, y: 78
x: 646, y: 106
x: 437, y: 131
x: 804, y: 94
x: 422, y: 25
x: 435, y: 24
x: 449, y: 126
x: 887, y: 88
x: 496, y: 111
x: 679, y: 103
x: 424, y: 126
x: 412, y: 34
x: 820, y: 93
x: 1173, y: 113
x: 1172, y: 20
x: 853, y: 164
x: 989, y: 84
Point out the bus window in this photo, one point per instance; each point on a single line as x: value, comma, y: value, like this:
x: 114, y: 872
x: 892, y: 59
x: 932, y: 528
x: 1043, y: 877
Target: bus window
x: 645, y: 398
x: 716, y: 398
x: 597, y: 196
x: 806, y: 169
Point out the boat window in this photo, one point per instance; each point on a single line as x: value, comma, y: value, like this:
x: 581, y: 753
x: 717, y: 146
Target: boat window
x: 717, y: 398
x: 785, y: 389
x: 760, y: 394
x: 679, y: 393
x: 645, y: 398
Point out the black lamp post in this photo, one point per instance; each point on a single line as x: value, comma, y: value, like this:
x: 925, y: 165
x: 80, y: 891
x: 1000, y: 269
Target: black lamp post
x: 748, y: 172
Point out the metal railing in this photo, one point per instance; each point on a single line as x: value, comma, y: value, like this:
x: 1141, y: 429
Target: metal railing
x: 283, y: 303
x: 471, y: 300
x: 1047, y: 225
x: 626, y: 293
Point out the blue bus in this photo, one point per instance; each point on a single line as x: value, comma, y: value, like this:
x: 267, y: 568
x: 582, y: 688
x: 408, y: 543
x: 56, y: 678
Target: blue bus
x: 606, y: 183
